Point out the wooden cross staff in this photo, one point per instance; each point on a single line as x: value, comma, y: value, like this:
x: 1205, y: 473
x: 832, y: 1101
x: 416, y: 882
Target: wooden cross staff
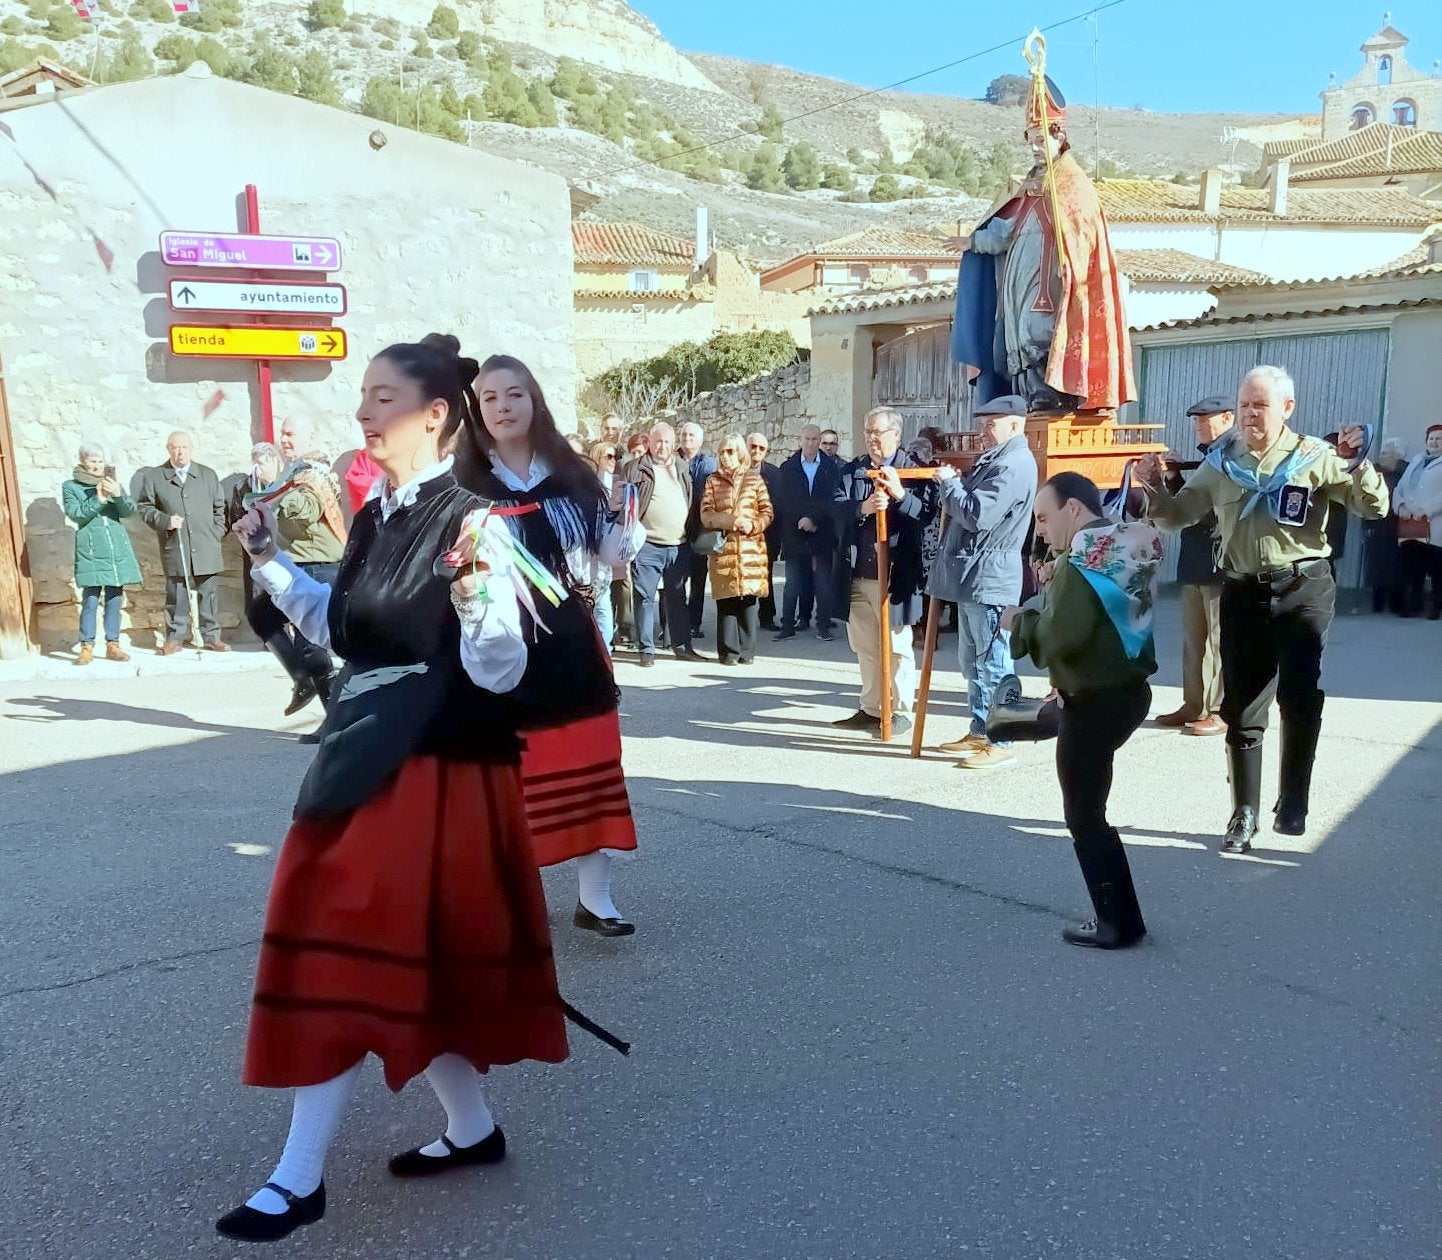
x: 883, y: 614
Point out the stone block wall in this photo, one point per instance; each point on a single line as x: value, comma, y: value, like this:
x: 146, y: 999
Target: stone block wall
x: 778, y: 404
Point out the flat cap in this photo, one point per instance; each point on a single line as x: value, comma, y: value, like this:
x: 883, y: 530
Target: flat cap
x: 1006, y: 405
x: 1211, y: 406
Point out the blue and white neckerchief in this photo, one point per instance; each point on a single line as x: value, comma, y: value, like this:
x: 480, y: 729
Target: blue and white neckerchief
x: 1268, y: 490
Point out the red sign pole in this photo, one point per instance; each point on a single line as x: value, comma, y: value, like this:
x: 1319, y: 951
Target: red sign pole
x: 267, y: 407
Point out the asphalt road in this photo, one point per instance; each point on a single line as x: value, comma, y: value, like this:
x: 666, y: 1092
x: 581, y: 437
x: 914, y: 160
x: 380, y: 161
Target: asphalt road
x: 857, y: 1033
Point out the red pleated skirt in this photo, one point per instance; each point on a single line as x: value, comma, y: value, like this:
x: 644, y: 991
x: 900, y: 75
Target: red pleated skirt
x: 576, y: 800
x: 413, y: 927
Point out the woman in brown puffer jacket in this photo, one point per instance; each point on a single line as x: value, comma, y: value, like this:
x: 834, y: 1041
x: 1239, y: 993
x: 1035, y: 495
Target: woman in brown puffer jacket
x: 736, y: 504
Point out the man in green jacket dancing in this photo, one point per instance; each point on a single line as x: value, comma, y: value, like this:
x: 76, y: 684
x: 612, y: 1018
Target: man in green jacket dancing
x: 1091, y: 629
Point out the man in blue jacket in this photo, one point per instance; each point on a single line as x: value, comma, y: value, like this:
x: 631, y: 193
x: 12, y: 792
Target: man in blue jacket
x: 979, y: 565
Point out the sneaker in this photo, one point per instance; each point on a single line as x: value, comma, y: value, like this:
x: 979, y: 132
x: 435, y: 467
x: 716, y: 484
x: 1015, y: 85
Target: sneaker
x: 965, y: 747
x: 861, y: 720
x: 989, y: 758
x: 825, y: 636
x: 899, y: 725
x: 1207, y: 726
x: 785, y: 633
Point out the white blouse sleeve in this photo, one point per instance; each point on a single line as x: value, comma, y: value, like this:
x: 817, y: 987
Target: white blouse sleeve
x: 304, y: 601
x: 493, y: 643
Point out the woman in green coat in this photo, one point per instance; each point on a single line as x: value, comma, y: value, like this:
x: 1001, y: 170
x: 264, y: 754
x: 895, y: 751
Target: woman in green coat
x: 104, y: 558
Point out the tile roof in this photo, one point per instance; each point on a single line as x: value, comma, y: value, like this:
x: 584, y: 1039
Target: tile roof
x: 629, y: 245
x: 887, y: 242
x: 1154, y: 201
x: 705, y: 294
x: 1214, y: 320
x: 881, y: 299
x: 1174, y: 266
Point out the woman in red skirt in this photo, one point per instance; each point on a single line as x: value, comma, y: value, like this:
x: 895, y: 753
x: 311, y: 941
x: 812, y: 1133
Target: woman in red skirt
x: 567, y: 702
x: 406, y: 919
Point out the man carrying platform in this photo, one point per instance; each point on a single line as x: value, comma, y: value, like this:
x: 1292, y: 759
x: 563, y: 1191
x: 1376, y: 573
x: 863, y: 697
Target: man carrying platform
x: 1272, y: 490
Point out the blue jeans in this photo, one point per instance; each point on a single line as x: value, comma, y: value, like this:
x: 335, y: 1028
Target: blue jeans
x: 808, y: 581
x: 664, y: 568
x: 984, y: 649
x: 604, y: 612
x: 89, y: 597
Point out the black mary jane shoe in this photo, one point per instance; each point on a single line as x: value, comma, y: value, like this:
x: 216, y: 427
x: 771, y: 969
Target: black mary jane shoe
x: 246, y: 1224
x: 602, y: 927
x: 1094, y: 934
x: 489, y: 1150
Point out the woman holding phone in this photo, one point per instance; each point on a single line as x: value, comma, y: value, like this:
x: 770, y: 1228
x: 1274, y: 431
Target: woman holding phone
x: 104, y: 559
x: 406, y: 917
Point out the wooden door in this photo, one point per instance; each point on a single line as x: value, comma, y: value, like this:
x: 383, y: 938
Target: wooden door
x: 14, y: 584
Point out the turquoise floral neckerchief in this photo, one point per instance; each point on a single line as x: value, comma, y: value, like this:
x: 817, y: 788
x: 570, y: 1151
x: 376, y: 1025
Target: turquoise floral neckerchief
x: 1119, y: 562
x: 1269, y: 490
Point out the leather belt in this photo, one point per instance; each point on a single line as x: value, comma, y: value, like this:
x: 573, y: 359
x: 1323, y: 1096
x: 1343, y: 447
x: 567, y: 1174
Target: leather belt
x: 1265, y: 577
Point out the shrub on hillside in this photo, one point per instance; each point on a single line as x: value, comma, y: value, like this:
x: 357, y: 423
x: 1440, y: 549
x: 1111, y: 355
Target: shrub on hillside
x: 324, y: 15
x: 127, y: 63
x: 421, y: 110
x: 572, y: 80
x: 272, y: 69
x: 1008, y: 89
x: 315, y: 79
x: 764, y: 173
x: 885, y: 188
x: 468, y: 45
x: 214, y: 16
x: 14, y: 54
x: 153, y: 11
x: 770, y: 125
x: 838, y: 178
x: 62, y: 24
x: 802, y: 167
x: 444, y: 23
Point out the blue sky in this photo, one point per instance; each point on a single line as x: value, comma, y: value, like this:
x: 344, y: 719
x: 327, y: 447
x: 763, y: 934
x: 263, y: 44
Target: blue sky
x: 1234, y: 56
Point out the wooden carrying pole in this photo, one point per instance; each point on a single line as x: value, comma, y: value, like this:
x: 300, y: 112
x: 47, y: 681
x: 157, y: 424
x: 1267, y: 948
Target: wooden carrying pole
x: 928, y: 655
x: 883, y: 592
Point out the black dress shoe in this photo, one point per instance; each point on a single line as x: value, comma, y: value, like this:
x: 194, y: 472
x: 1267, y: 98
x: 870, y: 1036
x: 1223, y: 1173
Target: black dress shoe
x: 783, y: 633
x: 1289, y: 822
x: 1240, y: 831
x: 602, y: 927
x: 489, y: 1150
x: 301, y: 694
x: 861, y: 720
x: 1094, y: 934
x: 246, y: 1224
x: 825, y: 636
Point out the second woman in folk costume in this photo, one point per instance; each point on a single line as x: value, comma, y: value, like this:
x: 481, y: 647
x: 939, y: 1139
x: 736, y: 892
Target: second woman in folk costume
x: 567, y: 702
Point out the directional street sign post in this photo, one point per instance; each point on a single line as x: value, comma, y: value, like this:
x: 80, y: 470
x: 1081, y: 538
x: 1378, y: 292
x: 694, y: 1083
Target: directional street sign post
x: 257, y: 297
x: 252, y: 253
x: 257, y: 342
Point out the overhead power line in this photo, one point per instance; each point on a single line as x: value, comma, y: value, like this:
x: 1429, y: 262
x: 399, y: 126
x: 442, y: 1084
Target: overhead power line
x: 859, y: 96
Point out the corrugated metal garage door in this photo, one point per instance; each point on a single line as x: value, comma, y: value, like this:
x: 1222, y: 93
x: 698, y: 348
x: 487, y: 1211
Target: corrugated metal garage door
x: 1341, y: 379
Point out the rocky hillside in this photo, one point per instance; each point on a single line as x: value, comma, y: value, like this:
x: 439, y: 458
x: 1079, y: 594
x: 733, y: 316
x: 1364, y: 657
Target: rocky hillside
x: 591, y: 90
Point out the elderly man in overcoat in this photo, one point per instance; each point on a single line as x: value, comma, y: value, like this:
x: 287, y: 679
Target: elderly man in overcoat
x: 183, y: 503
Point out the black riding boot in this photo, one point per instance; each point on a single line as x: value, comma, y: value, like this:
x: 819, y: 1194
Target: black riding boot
x: 1108, y: 877
x: 1245, y: 772
x: 292, y: 659
x: 1299, y: 750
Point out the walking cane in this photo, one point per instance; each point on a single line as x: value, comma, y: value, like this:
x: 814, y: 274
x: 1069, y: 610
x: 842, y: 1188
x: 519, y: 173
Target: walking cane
x: 928, y: 654
x: 192, y: 599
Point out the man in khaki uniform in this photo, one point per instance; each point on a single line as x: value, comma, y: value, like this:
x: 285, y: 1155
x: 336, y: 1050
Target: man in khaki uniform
x: 1272, y: 490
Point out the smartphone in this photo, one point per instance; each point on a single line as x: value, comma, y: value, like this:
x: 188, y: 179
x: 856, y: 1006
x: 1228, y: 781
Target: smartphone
x: 110, y: 472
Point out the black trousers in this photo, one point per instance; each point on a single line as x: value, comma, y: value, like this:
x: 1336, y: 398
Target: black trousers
x: 177, y: 607
x: 767, y: 604
x: 1273, y: 634
x: 737, y: 628
x: 1093, y: 727
x: 1418, y: 561
x: 695, y: 592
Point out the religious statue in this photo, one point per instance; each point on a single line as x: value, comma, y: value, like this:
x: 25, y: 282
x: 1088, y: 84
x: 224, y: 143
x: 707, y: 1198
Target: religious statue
x: 1039, y: 299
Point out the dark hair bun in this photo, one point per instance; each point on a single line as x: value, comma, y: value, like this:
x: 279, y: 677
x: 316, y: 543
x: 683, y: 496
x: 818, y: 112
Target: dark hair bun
x: 443, y: 342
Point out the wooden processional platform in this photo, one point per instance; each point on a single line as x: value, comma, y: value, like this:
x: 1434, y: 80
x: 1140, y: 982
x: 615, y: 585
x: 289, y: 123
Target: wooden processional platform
x: 1092, y: 443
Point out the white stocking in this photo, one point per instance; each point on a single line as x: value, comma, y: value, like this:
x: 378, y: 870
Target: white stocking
x: 594, y: 871
x: 458, y: 1086
x: 315, y: 1118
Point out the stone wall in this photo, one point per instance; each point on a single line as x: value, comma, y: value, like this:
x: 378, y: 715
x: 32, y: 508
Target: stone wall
x: 778, y: 403
x: 483, y: 253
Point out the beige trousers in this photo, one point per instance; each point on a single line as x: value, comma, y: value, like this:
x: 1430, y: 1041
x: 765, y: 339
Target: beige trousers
x: 863, y: 632
x: 1202, y: 648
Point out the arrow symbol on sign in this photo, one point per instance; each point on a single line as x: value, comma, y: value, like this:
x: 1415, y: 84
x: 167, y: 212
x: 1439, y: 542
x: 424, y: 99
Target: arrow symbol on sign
x: 322, y: 254
x: 186, y: 294
x: 330, y: 343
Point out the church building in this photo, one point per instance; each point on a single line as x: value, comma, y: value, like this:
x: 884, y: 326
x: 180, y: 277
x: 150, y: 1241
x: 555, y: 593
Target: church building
x: 1386, y: 89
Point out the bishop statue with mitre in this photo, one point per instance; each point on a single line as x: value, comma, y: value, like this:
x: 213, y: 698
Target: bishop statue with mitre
x: 1039, y: 299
